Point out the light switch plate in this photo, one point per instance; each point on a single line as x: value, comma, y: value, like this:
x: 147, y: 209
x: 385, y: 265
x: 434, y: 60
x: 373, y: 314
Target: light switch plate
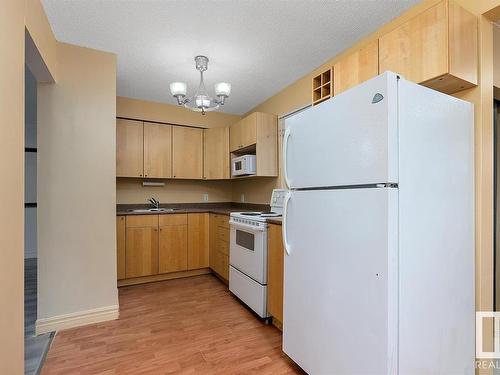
x: 205, y: 197
x: 242, y: 198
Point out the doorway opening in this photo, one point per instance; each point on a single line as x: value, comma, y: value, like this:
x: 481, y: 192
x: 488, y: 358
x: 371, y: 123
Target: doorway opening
x: 35, y: 347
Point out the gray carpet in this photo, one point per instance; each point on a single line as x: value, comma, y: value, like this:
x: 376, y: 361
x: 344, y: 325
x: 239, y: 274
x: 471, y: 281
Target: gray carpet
x: 35, y: 347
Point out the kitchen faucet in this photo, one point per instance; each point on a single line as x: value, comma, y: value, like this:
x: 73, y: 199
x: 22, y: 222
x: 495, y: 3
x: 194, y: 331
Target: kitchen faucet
x: 155, y: 202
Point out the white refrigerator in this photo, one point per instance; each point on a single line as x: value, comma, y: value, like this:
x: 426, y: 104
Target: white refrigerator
x: 378, y: 230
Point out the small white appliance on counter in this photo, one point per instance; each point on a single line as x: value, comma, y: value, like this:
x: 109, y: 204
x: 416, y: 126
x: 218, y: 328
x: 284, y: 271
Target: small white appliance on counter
x: 248, y: 254
x: 378, y: 231
x: 244, y: 165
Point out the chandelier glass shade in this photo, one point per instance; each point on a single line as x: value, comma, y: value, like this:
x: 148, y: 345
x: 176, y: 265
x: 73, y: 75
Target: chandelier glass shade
x: 201, y: 101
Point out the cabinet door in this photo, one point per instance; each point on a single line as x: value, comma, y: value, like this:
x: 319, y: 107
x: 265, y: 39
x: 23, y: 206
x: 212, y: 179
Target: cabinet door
x: 141, y: 251
x: 198, y: 241
x: 356, y: 68
x: 275, y: 272
x: 235, y: 136
x: 418, y: 49
x: 249, y: 130
x: 120, y: 247
x: 157, y: 150
x: 173, y: 248
x: 216, y: 153
x: 129, y: 148
x: 187, y: 152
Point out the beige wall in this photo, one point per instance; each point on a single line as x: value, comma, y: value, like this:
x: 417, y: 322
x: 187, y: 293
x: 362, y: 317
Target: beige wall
x: 172, y: 114
x: 12, y: 191
x: 175, y: 191
x: 76, y: 184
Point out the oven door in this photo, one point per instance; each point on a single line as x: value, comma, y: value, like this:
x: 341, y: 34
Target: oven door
x: 248, y: 251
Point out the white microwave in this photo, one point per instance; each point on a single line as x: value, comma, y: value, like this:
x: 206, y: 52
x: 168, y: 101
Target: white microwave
x: 243, y: 165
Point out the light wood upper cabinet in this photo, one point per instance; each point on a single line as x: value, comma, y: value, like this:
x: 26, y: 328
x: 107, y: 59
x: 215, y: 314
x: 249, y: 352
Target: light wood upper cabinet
x: 157, y: 150
x: 437, y: 48
x: 173, y: 243
x: 257, y: 134
x: 187, y: 153
x: 249, y: 129
x: 141, y: 246
x: 198, y: 240
x: 356, y: 68
x: 275, y: 260
x: 129, y: 148
x: 244, y: 132
x: 235, y: 136
x: 216, y: 153
x: 120, y: 247
x: 267, y: 144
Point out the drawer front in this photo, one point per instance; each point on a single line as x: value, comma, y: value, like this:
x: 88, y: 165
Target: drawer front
x: 222, y: 234
x: 173, y: 219
x: 225, y: 266
x: 138, y: 221
x: 253, y: 294
x: 219, y: 263
x: 223, y: 247
x: 222, y: 221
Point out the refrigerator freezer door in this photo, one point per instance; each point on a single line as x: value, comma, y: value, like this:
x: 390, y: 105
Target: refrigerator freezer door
x: 350, y: 139
x: 340, y: 292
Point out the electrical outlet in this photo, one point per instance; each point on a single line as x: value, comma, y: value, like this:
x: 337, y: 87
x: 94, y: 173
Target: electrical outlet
x: 205, y: 197
x: 242, y: 198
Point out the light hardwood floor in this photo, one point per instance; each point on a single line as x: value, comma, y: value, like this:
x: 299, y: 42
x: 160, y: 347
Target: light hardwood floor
x: 184, y: 326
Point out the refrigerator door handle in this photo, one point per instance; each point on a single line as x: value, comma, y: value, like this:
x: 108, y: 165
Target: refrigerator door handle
x: 285, y: 149
x: 286, y: 245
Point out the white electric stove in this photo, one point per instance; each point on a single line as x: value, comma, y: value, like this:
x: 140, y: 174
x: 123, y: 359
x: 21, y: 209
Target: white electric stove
x: 248, y: 254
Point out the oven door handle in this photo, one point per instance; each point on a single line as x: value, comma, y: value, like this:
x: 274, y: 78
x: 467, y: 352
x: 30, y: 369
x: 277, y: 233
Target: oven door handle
x: 286, y: 245
x: 250, y: 228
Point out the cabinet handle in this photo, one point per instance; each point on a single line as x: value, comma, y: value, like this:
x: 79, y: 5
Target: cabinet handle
x: 156, y: 230
x: 140, y: 175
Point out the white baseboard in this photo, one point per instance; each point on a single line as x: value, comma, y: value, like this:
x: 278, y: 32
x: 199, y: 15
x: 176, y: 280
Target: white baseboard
x: 76, y: 319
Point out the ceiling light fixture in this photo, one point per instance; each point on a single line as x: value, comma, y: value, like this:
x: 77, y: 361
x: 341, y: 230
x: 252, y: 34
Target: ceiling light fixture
x: 201, y: 101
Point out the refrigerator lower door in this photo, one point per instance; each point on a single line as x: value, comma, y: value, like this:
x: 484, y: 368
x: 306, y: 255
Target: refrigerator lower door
x: 340, y: 289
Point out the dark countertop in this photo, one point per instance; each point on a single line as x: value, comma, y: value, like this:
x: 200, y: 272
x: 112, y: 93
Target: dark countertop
x: 276, y: 220
x: 216, y: 208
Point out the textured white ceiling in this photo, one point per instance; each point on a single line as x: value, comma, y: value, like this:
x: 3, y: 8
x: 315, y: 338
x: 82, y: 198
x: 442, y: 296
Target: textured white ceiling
x: 259, y: 46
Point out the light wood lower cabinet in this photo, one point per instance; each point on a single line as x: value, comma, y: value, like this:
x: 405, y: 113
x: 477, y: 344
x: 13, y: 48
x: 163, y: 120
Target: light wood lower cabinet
x: 141, y: 250
x: 219, y: 245
x: 120, y: 247
x: 173, y: 248
x: 198, y: 241
x: 275, y: 260
x: 149, y: 245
